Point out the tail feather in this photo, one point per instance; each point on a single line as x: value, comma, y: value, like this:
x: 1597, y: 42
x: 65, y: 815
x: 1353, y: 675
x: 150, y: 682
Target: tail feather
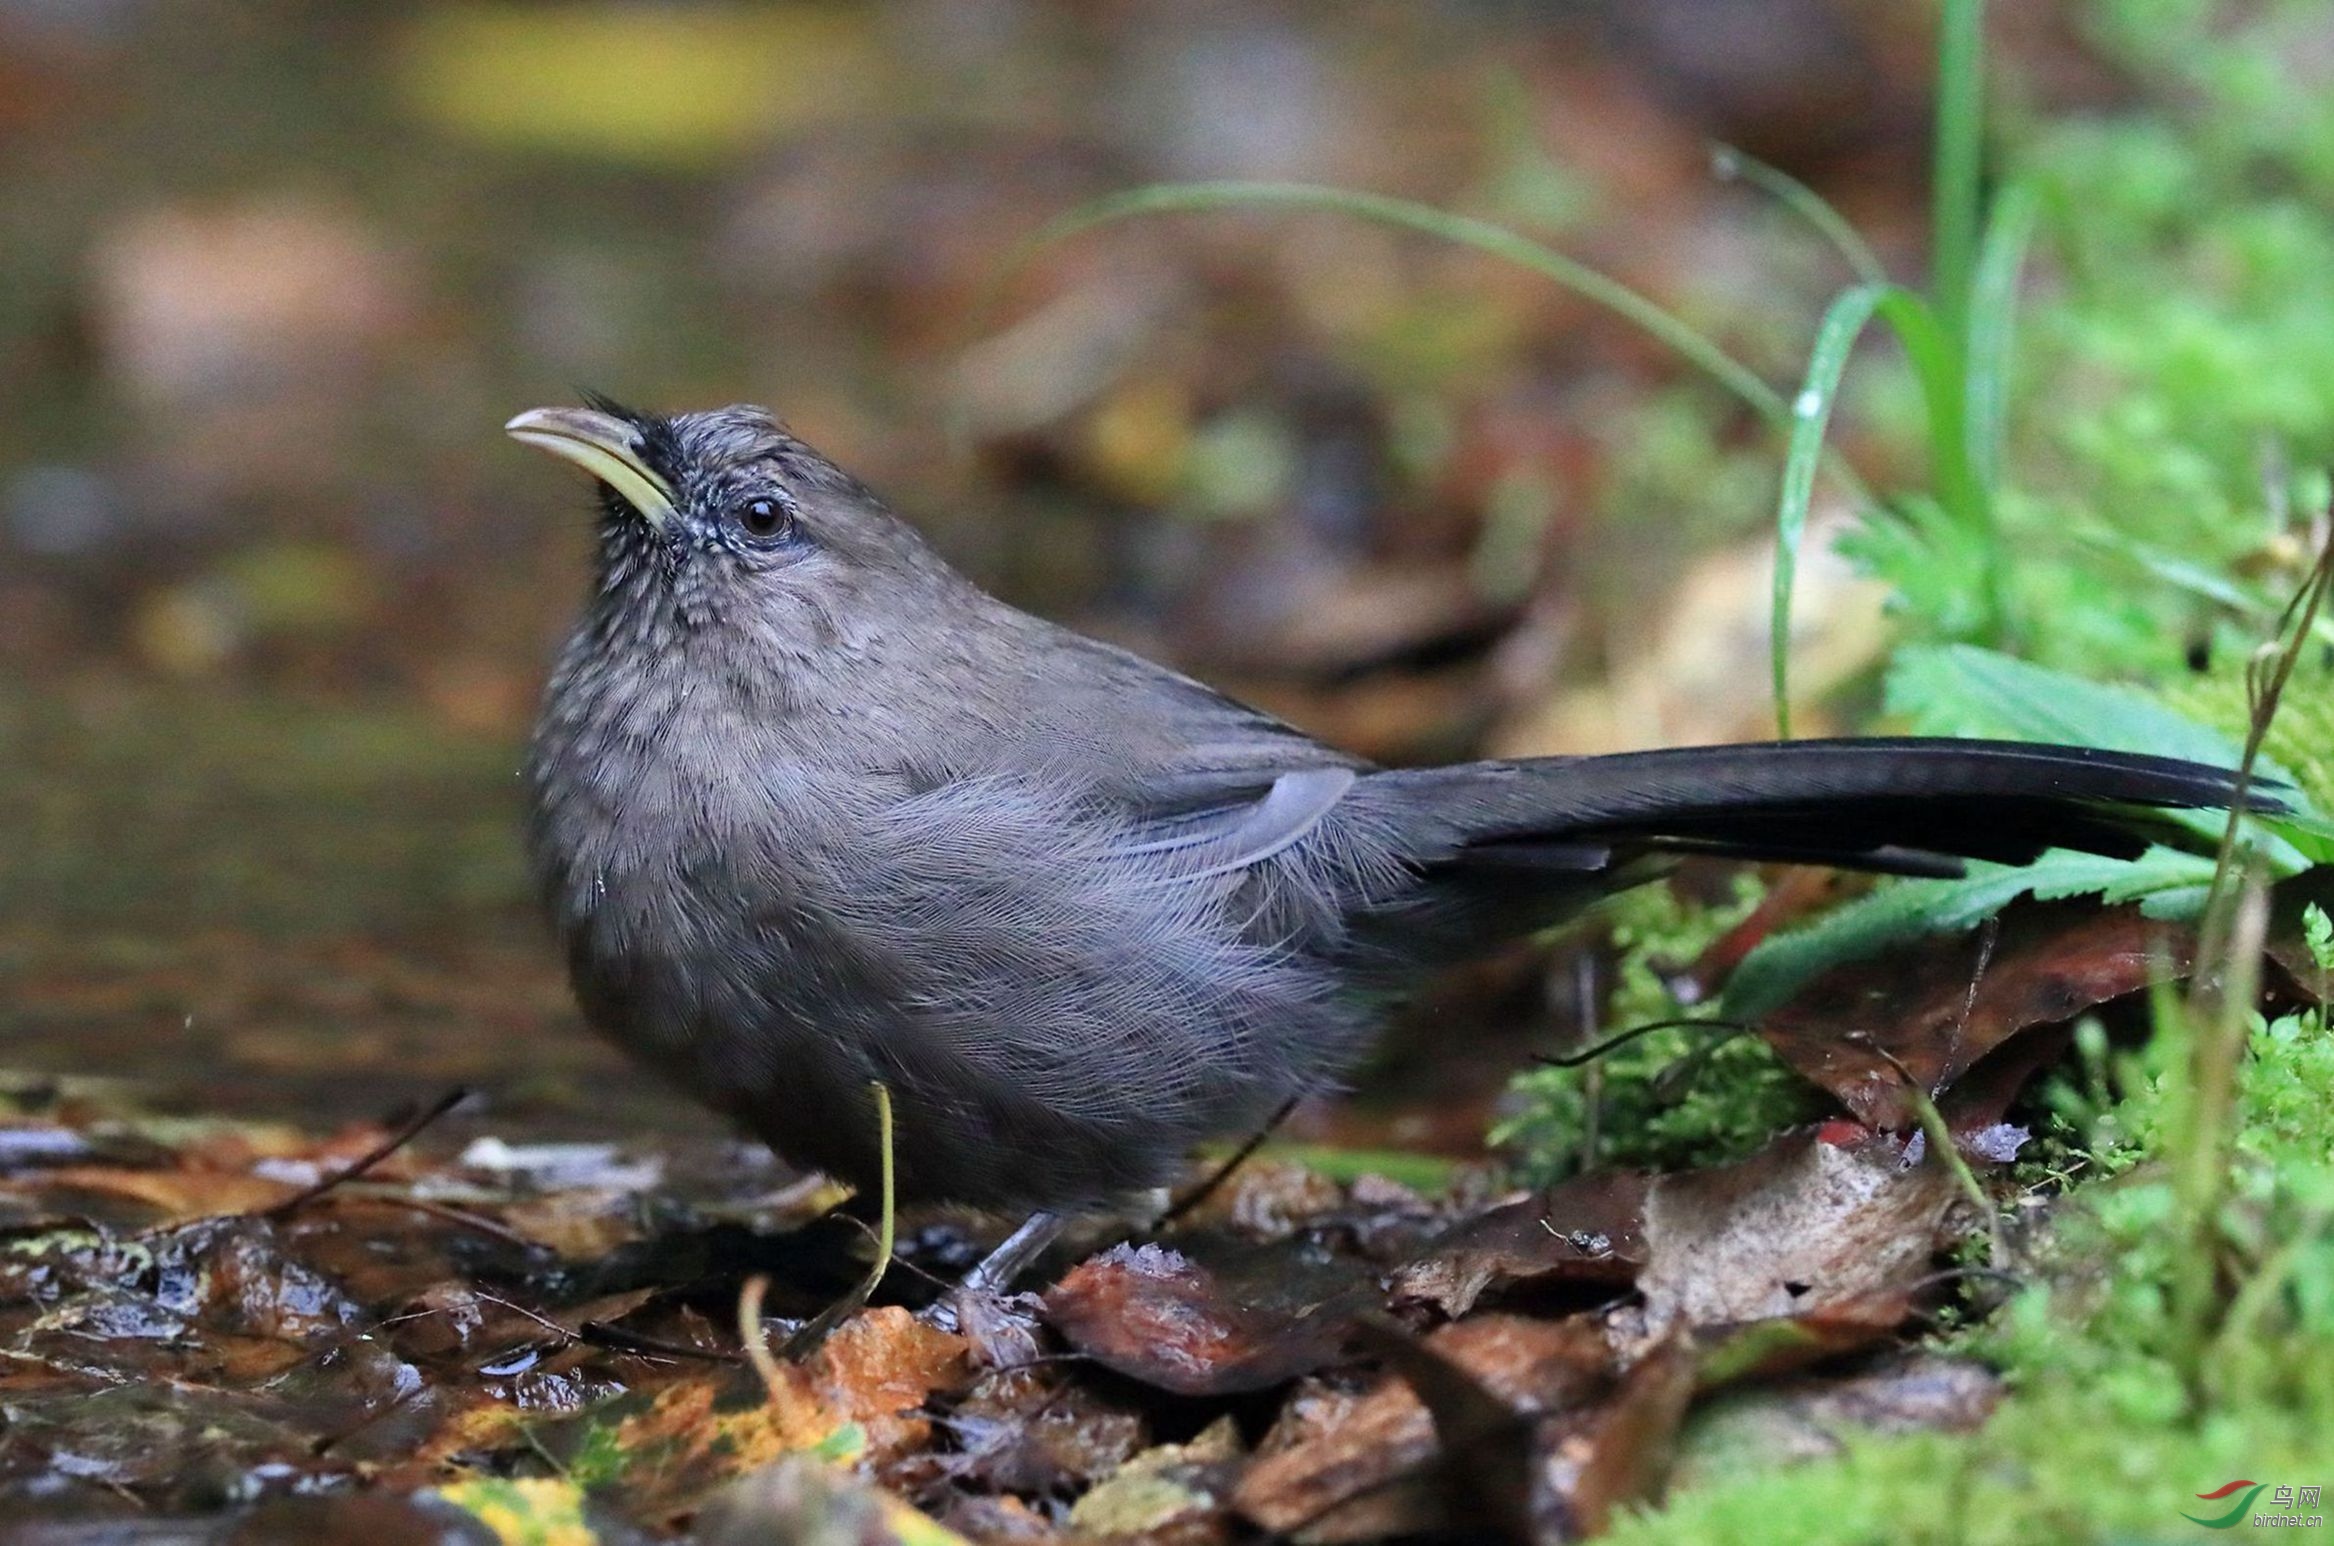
x: 1911, y: 805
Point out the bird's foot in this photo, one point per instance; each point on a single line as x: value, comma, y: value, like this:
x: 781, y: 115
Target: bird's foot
x: 1001, y: 1324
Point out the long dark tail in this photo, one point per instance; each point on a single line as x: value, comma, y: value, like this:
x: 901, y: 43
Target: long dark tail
x: 1907, y: 805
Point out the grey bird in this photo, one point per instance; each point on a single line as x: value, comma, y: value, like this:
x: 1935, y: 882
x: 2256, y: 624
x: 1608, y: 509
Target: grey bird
x: 810, y: 810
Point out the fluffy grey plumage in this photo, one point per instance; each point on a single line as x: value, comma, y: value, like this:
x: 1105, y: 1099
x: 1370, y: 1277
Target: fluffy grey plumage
x: 810, y: 810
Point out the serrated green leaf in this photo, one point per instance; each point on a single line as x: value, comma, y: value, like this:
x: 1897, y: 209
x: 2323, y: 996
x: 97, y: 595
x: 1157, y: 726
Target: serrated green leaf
x: 1781, y: 965
x: 1771, y: 974
x: 1960, y: 689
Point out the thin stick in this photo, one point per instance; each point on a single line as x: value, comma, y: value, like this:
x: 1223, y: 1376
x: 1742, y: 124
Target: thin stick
x: 1942, y: 1145
x: 476, y: 1223
x: 1621, y: 1039
x: 373, y: 1156
x: 815, y: 1330
x: 1592, y: 1080
x: 1222, y: 1173
x: 617, y: 1339
x: 749, y: 1334
x: 2266, y: 689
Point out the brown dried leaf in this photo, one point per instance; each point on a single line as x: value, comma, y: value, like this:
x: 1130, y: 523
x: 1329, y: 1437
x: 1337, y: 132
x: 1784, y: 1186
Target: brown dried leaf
x: 1033, y: 1431
x: 1763, y: 1349
x: 1586, y: 1230
x: 1154, y: 1315
x: 1598, y: 1459
x: 2049, y: 963
x: 1174, y: 1492
x: 173, y: 1196
x: 802, y: 1498
x: 879, y: 1366
x: 1758, y: 1426
x: 877, y: 1369
x: 1802, y: 1226
x: 1328, y: 1451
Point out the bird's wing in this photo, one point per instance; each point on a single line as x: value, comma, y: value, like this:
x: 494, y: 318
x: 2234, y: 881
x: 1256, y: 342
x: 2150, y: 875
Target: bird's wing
x: 1172, y: 751
x: 1247, y: 829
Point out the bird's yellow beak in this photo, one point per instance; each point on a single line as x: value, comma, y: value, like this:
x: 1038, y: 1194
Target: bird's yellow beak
x: 602, y: 445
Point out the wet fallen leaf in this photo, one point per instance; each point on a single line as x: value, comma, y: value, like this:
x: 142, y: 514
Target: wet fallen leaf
x: 996, y: 1521
x: 168, y: 1196
x: 1155, y: 1315
x: 800, y: 1498
x: 1768, y: 1424
x: 1330, y: 1464
x: 1763, y: 1349
x: 1600, y: 1458
x: 1033, y: 1431
x: 2050, y: 963
x: 860, y: 1389
x: 1586, y: 1230
x: 524, y: 1510
x: 1175, y: 1487
x: 1481, y: 1470
x: 1802, y: 1226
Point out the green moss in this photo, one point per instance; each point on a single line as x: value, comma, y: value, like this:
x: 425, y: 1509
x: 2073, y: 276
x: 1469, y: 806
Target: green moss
x: 1670, y: 1099
x: 2301, y: 738
x: 2058, y: 1463
x: 2114, y: 1420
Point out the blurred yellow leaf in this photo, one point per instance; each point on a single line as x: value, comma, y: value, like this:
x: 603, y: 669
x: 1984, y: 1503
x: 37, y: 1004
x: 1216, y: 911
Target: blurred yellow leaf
x: 668, y: 85
x: 526, y: 1510
x: 1139, y: 439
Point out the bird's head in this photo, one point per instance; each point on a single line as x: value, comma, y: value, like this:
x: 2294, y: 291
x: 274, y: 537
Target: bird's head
x: 724, y: 516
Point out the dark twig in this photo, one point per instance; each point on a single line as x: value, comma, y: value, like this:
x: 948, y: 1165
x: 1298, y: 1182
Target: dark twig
x: 1222, y: 1173
x: 605, y: 1334
x: 373, y: 1156
x: 462, y: 1218
x: 1592, y: 1083
x: 1621, y: 1039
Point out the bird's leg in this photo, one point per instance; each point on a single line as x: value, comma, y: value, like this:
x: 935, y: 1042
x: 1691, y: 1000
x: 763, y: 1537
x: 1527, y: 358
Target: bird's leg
x: 982, y: 1307
x: 995, y: 1272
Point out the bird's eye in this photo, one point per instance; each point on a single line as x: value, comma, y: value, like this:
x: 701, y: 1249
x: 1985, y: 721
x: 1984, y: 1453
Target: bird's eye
x: 763, y: 518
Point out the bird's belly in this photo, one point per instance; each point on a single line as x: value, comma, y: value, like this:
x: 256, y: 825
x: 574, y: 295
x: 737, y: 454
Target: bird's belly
x: 1052, y: 1033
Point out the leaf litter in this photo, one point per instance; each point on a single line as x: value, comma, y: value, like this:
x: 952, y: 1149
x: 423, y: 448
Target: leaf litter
x: 530, y: 1342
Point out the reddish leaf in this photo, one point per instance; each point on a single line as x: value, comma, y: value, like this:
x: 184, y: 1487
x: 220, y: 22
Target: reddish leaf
x: 1334, y: 1459
x: 2050, y: 963
x: 1155, y: 1315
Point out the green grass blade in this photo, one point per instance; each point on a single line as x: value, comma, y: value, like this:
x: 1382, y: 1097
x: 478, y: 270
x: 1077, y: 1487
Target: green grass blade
x: 1937, y: 365
x: 1808, y: 205
x: 1954, y: 191
x: 1940, y: 367
x: 1835, y: 338
x: 1993, y: 313
x: 1697, y: 348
